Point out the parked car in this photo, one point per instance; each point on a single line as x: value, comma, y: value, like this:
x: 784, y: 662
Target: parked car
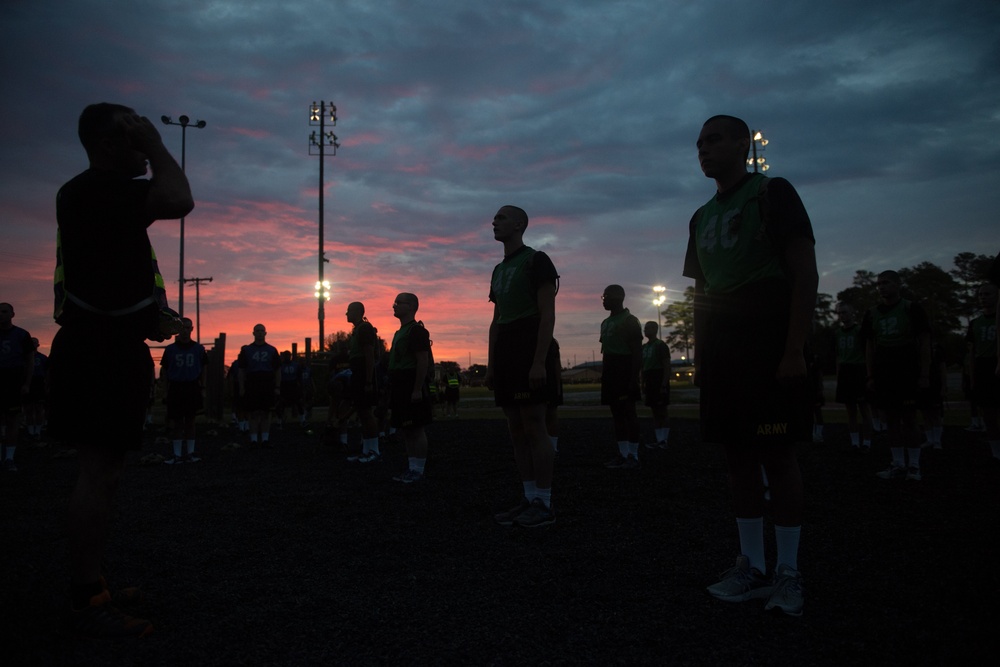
x: 683, y: 370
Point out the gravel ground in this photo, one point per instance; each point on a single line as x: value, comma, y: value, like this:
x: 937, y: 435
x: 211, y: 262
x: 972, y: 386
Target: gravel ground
x: 292, y: 556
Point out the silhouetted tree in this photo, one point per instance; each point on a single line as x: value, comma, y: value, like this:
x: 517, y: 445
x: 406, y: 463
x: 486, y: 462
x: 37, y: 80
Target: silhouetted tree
x: 938, y: 292
x: 861, y: 294
x: 678, y: 317
x: 448, y: 367
x: 970, y: 272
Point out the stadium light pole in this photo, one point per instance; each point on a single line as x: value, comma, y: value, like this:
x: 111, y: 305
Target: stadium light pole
x: 759, y: 163
x: 321, y: 114
x: 658, y: 301
x: 184, y: 123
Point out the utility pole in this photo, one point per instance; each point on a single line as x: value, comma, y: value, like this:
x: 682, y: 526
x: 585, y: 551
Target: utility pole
x: 197, y: 300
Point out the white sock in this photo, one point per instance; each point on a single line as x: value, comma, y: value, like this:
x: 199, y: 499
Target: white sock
x: 178, y: 448
x: 264, y: 436
x: 545, y: 495
x: 867, y: 444
x: 10, y: 452
x: 937, y: 434
x: 854, y: 438
x: 666, y: 434
x: 752, y: 541
x: 913, y: 454
x: 995, y: 448
x: 370, y: 445
x: 190, y: 447
x: 633, y: 450
x: 623, y: 448
x: 787, y: 538
x: 555, y: 442
x: 417, y: 465
x: 253, y: 437
x: 343, y: 438
x: 529, y: 490
x: 898, y: 459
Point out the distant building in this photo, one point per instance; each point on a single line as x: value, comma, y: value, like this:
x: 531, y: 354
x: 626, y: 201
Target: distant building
x: 585, y: 373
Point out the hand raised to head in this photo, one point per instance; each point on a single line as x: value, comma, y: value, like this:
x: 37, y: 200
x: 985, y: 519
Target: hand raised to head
x: 140, y: 132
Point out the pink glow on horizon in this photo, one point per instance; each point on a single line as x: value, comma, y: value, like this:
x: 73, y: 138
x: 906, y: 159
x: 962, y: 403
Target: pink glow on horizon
x: 383, y: 208
x: 363, y: 139
x: 472, y: 152
x: 252, y: 133
x: 422, y: 168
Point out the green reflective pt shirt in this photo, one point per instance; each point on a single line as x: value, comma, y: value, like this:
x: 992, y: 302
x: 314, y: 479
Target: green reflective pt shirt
x: 983, y: 336
x: 617, y: 331
x: 732, y: 244
x: 850, y: 345
x: 655, y: 355
x: 515, y: 281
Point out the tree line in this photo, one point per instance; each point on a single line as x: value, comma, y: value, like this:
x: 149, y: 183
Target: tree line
x: 949, y: 297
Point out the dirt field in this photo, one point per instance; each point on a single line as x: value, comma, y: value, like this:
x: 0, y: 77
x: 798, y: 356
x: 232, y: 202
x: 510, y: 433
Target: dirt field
x: 292, y: 556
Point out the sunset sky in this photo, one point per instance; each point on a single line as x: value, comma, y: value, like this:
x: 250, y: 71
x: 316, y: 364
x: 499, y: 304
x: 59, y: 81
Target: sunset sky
x: 885, y: 116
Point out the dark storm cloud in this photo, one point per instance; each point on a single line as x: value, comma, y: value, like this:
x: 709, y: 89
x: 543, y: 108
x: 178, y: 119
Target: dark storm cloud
x: 884, y: 115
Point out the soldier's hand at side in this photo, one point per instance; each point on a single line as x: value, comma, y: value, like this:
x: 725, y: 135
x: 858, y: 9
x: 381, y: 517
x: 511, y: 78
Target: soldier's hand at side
x: 536, y: 376
x: 792, y: 368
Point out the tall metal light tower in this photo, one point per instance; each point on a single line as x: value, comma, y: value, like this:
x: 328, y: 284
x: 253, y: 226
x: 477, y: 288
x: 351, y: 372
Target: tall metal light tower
x: 658, y: 302
x: 184, y: 122
x: 759, y: 163
x: 322, y: 114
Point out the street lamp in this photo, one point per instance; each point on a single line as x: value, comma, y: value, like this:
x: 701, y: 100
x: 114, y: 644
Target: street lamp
x: 321, y: 114
x: 659, y: 301
x: 184, y: 122
x: 758, y: 163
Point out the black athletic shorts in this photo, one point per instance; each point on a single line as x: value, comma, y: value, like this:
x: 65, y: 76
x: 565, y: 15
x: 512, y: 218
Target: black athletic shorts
x: 655, y: 389
x: 11, y: 382
x: 361, y: 398
x: 618, y: 383
x: 513, y: 354
x: 259, y: 392
x: 553, y: 370
x: 744, y: 341
x: 99, y: 386
x: 986, y: 392
x: 405, y: 412
x: 896, y: 372
x: 291, y: 395
x: 36, y: 394
x: 183, y: 400
x: 852, y: 384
